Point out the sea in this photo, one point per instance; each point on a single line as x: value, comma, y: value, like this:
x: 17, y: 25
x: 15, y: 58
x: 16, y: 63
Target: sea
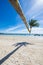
x: 19, y: 34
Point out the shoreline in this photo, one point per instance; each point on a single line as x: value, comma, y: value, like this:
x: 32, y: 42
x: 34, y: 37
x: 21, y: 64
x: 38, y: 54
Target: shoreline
x: 21, y: 50
x: 19, y: 34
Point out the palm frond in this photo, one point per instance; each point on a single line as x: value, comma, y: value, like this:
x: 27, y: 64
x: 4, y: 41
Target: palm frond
x: 33, y: 23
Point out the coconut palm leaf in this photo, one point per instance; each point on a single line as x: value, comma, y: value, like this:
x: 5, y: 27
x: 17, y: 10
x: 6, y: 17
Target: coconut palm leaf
x: 33, y: 23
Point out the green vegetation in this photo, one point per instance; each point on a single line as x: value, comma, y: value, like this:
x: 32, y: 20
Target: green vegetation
x: 33, y: 23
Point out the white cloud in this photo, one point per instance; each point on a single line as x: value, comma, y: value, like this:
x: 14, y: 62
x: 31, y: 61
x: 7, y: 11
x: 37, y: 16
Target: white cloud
x: 36, y: 9
x: 36, y: 15
x: 34, y: 31
x: 10, y: 29
x: 37, y: 30
x: 20, y: 31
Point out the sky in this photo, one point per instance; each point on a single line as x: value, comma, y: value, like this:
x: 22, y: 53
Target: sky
x: 10, y: 21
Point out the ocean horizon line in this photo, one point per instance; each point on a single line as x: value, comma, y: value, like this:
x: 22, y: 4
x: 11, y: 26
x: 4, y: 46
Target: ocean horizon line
x: 21, y: 34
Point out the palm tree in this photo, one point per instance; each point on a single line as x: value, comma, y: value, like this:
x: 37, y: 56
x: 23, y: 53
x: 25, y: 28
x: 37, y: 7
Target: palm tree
x: 33, y: 23
x: 17, y: 6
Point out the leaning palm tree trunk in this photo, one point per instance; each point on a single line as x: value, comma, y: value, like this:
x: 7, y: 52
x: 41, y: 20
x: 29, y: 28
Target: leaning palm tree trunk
x: 17, y: 6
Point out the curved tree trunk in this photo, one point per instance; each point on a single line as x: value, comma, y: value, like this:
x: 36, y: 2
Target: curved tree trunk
x: 17, y: 6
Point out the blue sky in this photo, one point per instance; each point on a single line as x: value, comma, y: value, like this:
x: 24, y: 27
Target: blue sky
x: 10, y: 21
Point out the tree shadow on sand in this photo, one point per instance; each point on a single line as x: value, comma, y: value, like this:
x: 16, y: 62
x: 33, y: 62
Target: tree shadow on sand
x: 18, y: 45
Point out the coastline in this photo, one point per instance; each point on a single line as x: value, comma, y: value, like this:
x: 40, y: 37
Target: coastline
x: 29, y: 53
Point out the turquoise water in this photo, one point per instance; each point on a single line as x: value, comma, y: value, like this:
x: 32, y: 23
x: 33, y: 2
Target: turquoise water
x: 21, y: 34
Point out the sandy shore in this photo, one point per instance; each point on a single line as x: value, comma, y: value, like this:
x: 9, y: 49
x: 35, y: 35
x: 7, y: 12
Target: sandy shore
x: 21, y: 50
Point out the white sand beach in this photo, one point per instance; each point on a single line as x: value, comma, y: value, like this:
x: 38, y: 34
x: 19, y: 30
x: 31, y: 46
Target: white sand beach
x: 21, y: 50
